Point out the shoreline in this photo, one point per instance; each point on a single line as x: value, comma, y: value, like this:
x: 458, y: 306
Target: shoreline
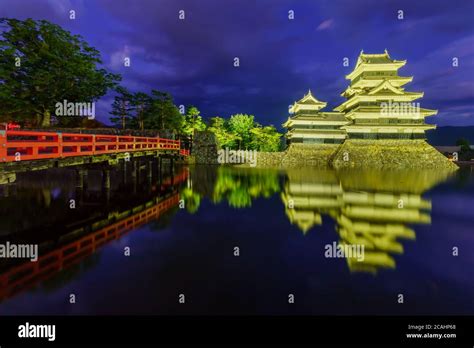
x: 359, y: 154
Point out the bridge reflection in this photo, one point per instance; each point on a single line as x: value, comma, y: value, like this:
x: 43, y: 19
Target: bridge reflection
x: 59, y: 250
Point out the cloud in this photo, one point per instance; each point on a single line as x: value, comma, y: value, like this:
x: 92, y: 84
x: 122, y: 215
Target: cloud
x: 117, y: 58
x: 324, y: 25
x: 280, y: 58
x: 61, y: 7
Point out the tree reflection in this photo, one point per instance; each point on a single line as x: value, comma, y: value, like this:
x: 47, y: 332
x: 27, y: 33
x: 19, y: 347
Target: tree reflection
x: 239, y: 186
x: 370, y: 209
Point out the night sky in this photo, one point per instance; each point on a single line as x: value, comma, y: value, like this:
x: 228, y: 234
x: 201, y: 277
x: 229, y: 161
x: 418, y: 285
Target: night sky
x: 280, y: 58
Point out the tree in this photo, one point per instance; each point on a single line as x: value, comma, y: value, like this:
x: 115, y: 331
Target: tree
x: 162, y: 113
x: 193, y: 121
x: 225, y: 138
x: 242, y: 132
x: 122, y: 108
x: 464, y: 143
x: 40, y: 65
x: 240, y: 125
x: 141, y: 103
x: 265, y: 139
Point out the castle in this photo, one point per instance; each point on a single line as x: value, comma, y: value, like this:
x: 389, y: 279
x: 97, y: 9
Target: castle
x: 379, y: 125
x: 377, y: 107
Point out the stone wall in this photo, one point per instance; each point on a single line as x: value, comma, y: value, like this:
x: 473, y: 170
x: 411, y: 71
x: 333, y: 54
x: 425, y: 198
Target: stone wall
x: 205, y: 148
x: 311, y: 155
x: 269, y: 159
x: 386, y: 154
x: 373, y: 154
x: 298, y: 155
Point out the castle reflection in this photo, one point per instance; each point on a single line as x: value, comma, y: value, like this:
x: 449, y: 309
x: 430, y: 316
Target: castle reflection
x: 370, y: 209
x: 375, y: 210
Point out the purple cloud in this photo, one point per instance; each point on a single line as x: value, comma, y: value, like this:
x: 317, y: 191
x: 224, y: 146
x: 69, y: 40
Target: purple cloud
x: 324, y: 25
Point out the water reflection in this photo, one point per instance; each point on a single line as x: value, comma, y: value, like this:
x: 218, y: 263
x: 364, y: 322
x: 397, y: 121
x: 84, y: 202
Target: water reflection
x: 373, y: 209
x: 240, y: 188
x: 378, y: 210
x: 69, y: 235
x: 370, y: 209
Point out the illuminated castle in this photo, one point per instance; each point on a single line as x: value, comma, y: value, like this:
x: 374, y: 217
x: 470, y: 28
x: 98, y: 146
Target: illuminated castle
x: 377, y: 105
x: 309, y: 125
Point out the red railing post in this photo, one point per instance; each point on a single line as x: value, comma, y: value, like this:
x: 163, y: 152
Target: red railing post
x: 3, y: 146
x: 60, y: 145
x: 93, y: 144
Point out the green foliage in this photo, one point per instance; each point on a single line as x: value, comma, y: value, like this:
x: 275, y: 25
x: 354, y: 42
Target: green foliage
x: 240, y: 125
x: 193, y: 121
x: 242, y: 132
x: 146, y: 111
x: 40, y: 65
x: 265, y: 139
x: 225, y: 138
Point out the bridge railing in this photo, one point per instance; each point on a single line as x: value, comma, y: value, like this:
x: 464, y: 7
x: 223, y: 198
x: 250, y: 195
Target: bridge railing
x: 27, y: 145
x: 28, y: 274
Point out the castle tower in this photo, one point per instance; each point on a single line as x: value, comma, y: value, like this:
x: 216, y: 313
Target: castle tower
x: 378, y: 106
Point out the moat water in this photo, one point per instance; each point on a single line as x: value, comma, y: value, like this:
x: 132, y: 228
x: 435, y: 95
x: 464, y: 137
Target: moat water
x: 240, y: 241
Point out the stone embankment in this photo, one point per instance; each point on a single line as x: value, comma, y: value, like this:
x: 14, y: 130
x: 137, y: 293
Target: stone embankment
x: 387, y: 154
x: 391, y: 154
x: 298, y: 155
x: 376, y: 154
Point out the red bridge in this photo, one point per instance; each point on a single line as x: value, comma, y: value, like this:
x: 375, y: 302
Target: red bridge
x: 28, y: 146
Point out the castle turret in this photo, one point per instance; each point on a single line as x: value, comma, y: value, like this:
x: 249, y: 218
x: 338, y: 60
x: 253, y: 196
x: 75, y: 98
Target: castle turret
x: 309, y: 125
